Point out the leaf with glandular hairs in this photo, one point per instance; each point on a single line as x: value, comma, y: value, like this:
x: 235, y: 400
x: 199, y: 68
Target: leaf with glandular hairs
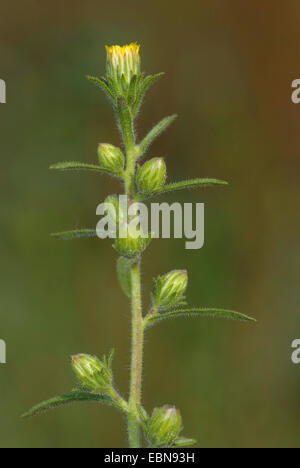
x: 143, y: 87
x: 185, y: 184
x: 79, y: 166
x: 104, y: 85
x: 76, y: 234
x: 66, y: 399
x: 212, y: 313
x: 160, y: 127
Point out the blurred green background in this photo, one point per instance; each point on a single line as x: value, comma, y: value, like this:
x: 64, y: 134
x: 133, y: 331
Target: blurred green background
x: 229, y: 66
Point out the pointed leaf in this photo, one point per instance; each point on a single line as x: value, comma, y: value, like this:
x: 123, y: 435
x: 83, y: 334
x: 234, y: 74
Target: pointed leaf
x: 212, y: 313
x: 185, y: 184
x: 76, y: 234
x: 66, y: 399
x: 143, y: 88
x: 123, y: 268
x: 155, y: 132
x: 79, y: 166
x: 103, y: 84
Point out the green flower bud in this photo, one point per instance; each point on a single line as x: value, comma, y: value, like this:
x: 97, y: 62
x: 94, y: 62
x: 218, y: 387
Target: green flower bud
x: 132, y: 245
x: 164, y: 426
x: 151, y: 176
x: 123, y: 61
x: 169, y: 289
x: 123, y: 74
x: 111, y: 157
x: 92, y: 372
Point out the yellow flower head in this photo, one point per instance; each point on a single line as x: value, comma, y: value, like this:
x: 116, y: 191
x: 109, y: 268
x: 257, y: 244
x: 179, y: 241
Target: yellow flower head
x: 123, y: 61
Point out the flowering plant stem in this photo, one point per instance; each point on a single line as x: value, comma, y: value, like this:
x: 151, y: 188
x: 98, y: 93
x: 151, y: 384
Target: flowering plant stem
x: 125, y: 86
x: 137, y: 327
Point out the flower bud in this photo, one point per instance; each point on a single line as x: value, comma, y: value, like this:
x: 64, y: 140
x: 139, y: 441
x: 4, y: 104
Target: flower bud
x: 133, y: 244
x: 164, y: 426
x: 92, y: 372
x: 169, y: 289
x: 111, y: 157
x: 151, y: 176
x: 123, y: 62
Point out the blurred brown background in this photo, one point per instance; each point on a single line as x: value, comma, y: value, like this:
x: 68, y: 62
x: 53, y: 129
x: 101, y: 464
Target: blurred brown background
x: 229, y: 67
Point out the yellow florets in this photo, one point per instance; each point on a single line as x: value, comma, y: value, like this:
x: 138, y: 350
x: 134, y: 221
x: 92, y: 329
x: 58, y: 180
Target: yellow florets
x: 123, y: 61
x: 132, y: 48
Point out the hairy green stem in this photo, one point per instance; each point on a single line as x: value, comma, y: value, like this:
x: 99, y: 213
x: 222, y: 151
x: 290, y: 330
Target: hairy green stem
x: 134, y: 429
x: 131, y: 158
x: 136, y: 358
x: 119, y: 401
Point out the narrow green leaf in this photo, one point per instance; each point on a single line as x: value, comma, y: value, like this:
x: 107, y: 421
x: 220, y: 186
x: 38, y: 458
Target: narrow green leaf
x: 79, y: 166
x: 66, y: 399
x: 184, y: 442
x: 155, y: 132
x: 150, y: 80
x: 143, y: 88
x: 103, y: 84
x: 125, y: 122
x: 76, y: 234
x: 185, y: 184
x: 123, y: 269
x: 212, y: 313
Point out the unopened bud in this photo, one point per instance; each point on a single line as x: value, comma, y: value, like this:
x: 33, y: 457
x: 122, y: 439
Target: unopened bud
x: 111, y: 157
x: 169, y: 289
x: 133, y: 244
x: 92, y: 372
x: 123, y: 61
x: 151, y: 176
x: 164, y: 426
